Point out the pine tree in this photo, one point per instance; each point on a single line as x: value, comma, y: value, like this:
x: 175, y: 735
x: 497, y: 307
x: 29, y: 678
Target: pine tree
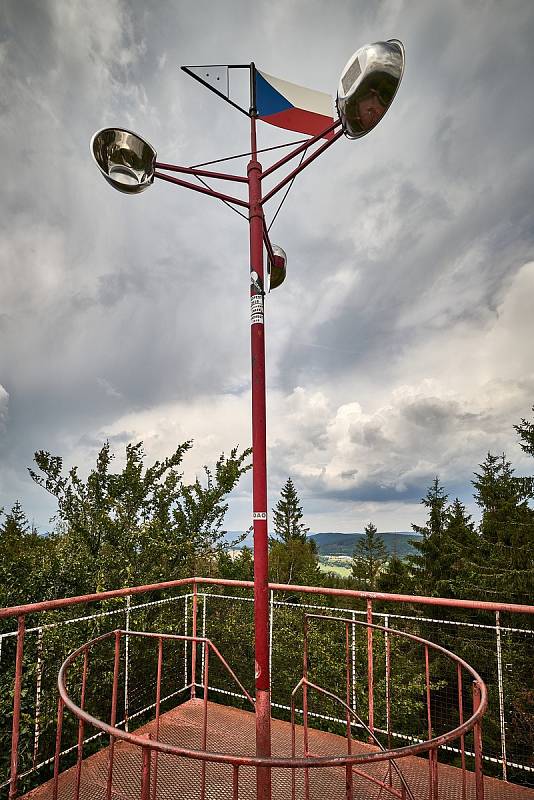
x: 394, y: 578
x: 525, y: 429
x: 427, y: 564
x: 293, y: 557
x: 503, y: 499
x: 287, y: 516
x: 369, y: 557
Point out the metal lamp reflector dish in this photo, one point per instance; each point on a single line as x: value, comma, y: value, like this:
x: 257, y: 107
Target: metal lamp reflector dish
x: 368, y: 85
x: 277, y: 270
x: 125, y: 160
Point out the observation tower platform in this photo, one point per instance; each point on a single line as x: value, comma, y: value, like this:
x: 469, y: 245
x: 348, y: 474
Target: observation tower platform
x: 231, y: 730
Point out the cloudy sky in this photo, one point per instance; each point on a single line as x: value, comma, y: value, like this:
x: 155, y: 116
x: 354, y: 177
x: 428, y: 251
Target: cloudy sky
x: 400, y: 346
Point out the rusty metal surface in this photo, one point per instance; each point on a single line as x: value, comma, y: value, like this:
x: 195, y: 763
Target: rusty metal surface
x: 231, y: 730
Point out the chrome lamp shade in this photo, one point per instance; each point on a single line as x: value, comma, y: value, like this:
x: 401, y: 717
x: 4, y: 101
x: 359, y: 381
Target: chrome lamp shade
x: 368, y: 85
x: 125, y: 160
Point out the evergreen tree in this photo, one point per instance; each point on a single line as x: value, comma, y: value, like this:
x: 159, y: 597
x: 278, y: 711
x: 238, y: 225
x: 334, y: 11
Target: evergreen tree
x: 287, y: 515
x: 368, y: 559
x: 503, y: 499
x: 394, y: 578
x: 525, y: 429
x: 293, y: 557
x: 460, y: 551
x: 427, y: 564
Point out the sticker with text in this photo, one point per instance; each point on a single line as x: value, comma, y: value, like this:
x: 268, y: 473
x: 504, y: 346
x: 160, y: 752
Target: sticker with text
x: 259, y: 515
x: 256, y: 309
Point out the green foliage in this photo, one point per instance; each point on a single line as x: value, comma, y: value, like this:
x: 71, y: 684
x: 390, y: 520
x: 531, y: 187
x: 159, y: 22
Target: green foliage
x: 140, y: 524
x: 293, y: 557
x: 368, y: 559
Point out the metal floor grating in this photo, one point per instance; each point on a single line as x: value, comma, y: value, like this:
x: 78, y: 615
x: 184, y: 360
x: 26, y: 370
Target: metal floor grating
x: 232, y: 731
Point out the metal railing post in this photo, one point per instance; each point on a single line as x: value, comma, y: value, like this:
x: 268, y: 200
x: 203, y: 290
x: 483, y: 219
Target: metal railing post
x: 477, y: 736
x: 127, y: 662
x: 38, y: 683
x: 17, y: 688
x: 81, y: 727
x: 194, y: 643
x: 501, y: 695
x: 370, y: 668
x: 113, y: 717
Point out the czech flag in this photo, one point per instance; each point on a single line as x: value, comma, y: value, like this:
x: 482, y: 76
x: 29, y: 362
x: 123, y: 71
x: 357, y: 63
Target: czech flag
x: 292, y: 107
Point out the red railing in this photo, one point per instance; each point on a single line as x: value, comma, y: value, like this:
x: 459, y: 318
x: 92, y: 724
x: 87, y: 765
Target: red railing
x: 352, y: 764
x: 23, y: 612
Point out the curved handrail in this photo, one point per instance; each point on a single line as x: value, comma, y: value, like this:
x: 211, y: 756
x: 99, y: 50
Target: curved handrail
x: 359, y: 720
x: 273, y: 762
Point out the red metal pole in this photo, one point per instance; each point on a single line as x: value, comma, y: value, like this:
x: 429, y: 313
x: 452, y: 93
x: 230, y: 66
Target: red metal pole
x: 15, y: 731
x: 81, y: 728
x: 145, y: 774
x: 57, y: 752
x: 462, y: 738
x: 113, y: 718
x: 194, y: 644
x: 259, y: 473
x: 429, y: 720
x: 158, y: 706
x: 370, y: 669
x: 477, y: 736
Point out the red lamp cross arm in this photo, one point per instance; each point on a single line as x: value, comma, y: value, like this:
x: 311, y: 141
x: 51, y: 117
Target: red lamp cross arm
x: 304, y: 146
x: 289, y: 177
x: 202, y: 189
x: 202, y: 173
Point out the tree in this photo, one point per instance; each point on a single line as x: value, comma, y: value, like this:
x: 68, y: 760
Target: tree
x: 27, y: 561
x: 525, y: 429
x: 293, y: 557
x: 426, y: 564
x: 369, y: 557
x: 140, y: 524
x: 287, y: 519
x: 394, y: 578
x: 503, y: 498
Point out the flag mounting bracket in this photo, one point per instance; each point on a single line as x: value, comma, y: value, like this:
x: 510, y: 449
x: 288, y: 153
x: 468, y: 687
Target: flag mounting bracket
x: 189, y: 70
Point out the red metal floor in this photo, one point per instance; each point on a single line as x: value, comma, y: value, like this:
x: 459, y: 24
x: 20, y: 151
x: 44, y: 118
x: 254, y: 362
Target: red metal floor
x: 232, y: 731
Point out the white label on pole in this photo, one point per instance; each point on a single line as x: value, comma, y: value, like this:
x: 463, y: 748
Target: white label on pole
x: 259, y: 515
x: 256, y: 309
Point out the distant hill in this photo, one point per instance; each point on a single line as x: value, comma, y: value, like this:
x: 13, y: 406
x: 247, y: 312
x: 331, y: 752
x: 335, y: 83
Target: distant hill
x: 343, y: 544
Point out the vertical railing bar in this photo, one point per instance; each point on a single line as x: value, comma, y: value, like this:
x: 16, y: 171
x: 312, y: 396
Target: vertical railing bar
x: 348, y: 773
x: 477, y: 736
x: 194, y: 644
x: 158, y: 708
x: 293, y: 748
x: 429, y: 722
x: 462, y: 738
x: 81, y: 727
x: 305, y: 708
x: 235, y: 782
x: 501, y: 695
x: 15, y: 729
x: 113, y: 717
x: 186, y: 627
x: 127, y: 663
x: 145, y: 773
x: 57, y: 751
x: 370, y: 668
x: 38, y: 682
x: 271, y: 618
x: 353, y: 645
x: 205, y: 720
x: 387, y: 648
x: 204, y: 606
